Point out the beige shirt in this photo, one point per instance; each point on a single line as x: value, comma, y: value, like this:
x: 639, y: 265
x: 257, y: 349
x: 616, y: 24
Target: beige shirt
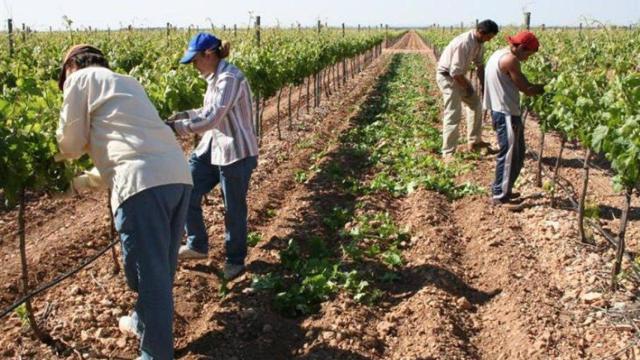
x: 109, y: 116
x: 226, y: 120
x: 458, y: 55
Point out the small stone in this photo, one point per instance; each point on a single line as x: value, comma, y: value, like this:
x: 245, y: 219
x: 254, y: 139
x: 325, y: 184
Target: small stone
x: 385, y: 327
x: 121, y: 343
x: 76, y: 290
x: 249, y: 291
x: 84, y: 335
x: 591, y: 297
x: 464, y: 304
x: 327, y: 335
x: 625, y: 327
x: 267, y: 328
x: 588, y: 321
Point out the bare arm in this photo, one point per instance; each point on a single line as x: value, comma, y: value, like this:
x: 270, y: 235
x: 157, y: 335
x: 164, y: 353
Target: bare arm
x: 480, y: 72
x: 511, y: 66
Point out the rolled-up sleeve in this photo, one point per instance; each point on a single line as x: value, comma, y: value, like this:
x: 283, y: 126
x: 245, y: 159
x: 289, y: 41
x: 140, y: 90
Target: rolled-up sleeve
x: 72, y: 133
x: 459, y: 61
x: 226, y: 91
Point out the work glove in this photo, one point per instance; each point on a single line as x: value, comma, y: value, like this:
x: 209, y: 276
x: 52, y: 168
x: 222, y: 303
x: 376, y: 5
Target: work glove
x: 88, y: 181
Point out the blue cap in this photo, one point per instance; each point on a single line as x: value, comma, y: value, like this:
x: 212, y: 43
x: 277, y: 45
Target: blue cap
x: 199, y: 42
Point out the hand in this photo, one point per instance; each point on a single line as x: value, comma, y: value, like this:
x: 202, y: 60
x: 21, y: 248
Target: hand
x: 58, y: 157
x: 87, y: 181
x: 470, y: 91
x: 539, y: 89
x: 171, y: 124
x: 179, y: 116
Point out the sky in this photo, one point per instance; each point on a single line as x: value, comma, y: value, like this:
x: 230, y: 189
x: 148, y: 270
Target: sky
x: 40, y: 14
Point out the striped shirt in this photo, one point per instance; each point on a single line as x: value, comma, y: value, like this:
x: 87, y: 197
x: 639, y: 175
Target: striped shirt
x: 225, y: 119
x: 458, y: 55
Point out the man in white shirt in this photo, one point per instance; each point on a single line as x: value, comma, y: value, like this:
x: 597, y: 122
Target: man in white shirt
x: 456, y: 89
x: 110, y: 117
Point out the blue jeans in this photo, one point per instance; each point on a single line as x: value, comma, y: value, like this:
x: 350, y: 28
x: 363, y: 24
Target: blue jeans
x: 234, y: 180
x: 510, y: 159
x: 151, y: 224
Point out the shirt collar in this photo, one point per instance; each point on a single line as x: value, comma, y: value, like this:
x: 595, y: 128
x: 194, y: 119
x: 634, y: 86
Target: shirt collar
x: 212, y: 77
x: 472, y: 33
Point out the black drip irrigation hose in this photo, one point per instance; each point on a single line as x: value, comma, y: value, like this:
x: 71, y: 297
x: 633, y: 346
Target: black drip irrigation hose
x: 56, y: 281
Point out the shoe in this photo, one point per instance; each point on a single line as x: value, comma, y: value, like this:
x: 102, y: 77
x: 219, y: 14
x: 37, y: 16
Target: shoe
x: 479, y: 146
x: 127, y: 326
x: 514, y: 195
x: 232, y: 271
x: 507, y: 200
x: 185, y: 253
x: 509, y: 204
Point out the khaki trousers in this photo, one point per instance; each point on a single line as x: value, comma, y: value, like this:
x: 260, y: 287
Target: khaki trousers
x: 453, y: 97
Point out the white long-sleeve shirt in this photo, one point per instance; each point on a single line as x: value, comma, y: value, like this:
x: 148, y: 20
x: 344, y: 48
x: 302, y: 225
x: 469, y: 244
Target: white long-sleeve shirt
x: 110, y: 117
x: 458, y: 55
x: 226, y: 119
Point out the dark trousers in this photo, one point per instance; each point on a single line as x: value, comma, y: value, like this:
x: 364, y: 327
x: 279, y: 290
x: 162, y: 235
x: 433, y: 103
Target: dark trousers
x: 510, y: 159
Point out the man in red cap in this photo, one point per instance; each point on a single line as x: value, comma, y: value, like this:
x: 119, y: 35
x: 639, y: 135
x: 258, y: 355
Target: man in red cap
x: 504, y: 81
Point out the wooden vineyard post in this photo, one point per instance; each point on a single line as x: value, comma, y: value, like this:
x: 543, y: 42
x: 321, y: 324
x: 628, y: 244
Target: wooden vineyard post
x: 278, y: 114
x: 555, y: 172
x: 617, y: 267
x: 344, y: 61
x: 168, y: 29
x: 257, y: 124
x: 539, y: 166
x: 318, y: 80
x: 10, y: 35
x: 112, y: 235
x: 235, y: 30
x: 308, y: 81
x: 583, y: 196
x: 289, y: 107
x: 299, y: 101
x: 40, y: 334
x: 527, y: 20
x: 24, y: 32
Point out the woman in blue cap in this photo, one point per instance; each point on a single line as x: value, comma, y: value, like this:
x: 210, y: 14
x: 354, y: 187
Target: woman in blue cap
x: 227, y: 153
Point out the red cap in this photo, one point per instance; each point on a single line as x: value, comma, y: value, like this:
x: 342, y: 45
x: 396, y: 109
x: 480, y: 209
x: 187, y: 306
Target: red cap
x: 525, y: 38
